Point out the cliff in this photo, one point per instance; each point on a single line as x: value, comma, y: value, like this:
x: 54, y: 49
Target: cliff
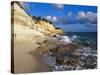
x: 26, y: 25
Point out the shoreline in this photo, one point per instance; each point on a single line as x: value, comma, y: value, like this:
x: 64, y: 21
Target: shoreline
x: 42, y: 45
x: 24, y: 62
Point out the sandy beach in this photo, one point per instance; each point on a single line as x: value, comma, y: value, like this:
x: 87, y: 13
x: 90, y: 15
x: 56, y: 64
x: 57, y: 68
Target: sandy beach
x: 24, y: 61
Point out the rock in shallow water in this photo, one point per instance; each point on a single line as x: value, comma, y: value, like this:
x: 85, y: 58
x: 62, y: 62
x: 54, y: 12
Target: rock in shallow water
x: 69, y: 57
x: 63, y: 49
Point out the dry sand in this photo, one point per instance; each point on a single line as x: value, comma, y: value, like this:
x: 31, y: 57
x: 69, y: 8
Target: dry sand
x: 24, y: 62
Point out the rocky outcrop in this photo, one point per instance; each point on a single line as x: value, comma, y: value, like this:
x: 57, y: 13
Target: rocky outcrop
x: 22, y: 20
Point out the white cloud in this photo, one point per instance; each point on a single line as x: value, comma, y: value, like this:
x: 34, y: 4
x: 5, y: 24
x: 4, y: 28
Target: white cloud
x: 54, y: 18
x: 60, y: 6
x: 48, y: 17
x: 51, y: 18
x: 81, y: 15
x: 89, y: 16
x: 24, y: 5
x: 69, y: 14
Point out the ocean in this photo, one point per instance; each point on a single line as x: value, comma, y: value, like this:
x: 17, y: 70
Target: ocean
x: 84, y: 57
x: 86, y: 38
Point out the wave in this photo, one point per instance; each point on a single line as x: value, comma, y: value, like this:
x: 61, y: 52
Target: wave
x: 64, y: 38
x: 67, y: 39
x: 74, y: 37
x: 85, y: 57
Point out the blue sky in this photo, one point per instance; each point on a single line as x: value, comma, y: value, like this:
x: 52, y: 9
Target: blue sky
x: 85, y: 16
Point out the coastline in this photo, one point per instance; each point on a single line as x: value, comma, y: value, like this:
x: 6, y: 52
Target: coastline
x: 38, y: 43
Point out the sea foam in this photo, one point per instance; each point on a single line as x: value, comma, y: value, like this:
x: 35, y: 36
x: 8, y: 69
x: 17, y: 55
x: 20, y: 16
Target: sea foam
x: 64, y: 38
x: 74, y: 37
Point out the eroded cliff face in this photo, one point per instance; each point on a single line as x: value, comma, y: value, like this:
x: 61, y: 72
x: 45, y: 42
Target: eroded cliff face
x: 25, y: 25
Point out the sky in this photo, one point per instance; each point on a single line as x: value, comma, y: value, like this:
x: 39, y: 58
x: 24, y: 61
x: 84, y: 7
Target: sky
x: 76, y: 18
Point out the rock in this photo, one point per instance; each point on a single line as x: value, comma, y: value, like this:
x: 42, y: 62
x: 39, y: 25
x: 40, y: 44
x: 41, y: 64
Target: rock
x: 39, y: 24
x: 30, y: 28
x: 64, y: 49
x: 64, y: 54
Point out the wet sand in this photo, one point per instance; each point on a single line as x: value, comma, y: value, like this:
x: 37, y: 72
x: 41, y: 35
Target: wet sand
x: 24, y: 61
